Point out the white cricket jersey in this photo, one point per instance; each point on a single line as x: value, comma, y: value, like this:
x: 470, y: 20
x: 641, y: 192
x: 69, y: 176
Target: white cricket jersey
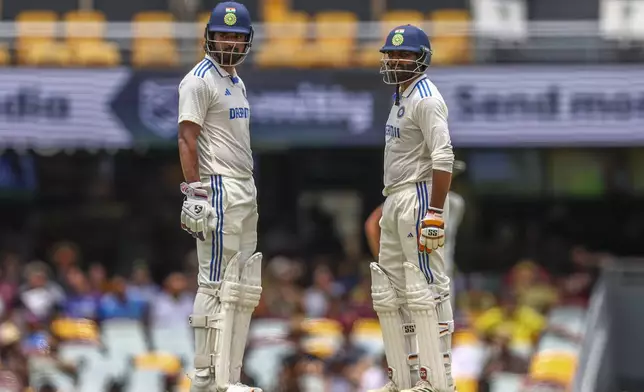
x: 216, y: 101
x: 416, y: 136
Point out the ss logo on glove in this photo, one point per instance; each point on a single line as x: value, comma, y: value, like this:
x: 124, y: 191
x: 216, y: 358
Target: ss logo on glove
x: 195, y: 210
x: 431, y: 235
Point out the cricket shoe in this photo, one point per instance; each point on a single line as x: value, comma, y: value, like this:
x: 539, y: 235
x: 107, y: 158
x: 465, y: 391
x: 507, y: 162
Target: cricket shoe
x: 421, y: 386
x: 242, y: 388
x: 390, y: 387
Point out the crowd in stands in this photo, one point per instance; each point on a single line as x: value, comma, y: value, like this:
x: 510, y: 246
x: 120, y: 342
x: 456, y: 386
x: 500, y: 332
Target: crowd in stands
x: 321, y: 336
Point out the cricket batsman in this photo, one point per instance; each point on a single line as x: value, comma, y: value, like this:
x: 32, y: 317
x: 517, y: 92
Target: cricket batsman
x: 220, y: 205
x: 410, y: 285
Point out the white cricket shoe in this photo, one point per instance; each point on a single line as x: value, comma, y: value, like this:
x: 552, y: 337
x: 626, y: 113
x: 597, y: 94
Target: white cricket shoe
x: 242, y: 388
x: 421, y: 386
x: 390, y: 387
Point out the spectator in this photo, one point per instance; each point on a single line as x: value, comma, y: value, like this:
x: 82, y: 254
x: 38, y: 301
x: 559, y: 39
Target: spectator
x: 141, y: 283
x: 120, y: 304
x: 502, y: 359
x: 98, y: 278
x: 64, y: 256
x: 173, y: 305
x: 522, y: 323
x: 8, y: 288
x: 317, y: 298
x: 281, y: 296
x: 39, y: 295
x: 81, y: 303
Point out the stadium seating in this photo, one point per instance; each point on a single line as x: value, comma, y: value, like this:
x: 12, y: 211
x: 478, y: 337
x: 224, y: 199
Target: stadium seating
x: 280, y: 49
x: 5, y: 56
x: 36, y: 31
x: 84, y: 33
x: 274, y: 10
x: 153, y: 44
x: 335, y: 33
x: 450, y: 37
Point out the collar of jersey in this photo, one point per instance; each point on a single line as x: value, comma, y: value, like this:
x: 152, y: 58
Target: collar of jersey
x: 413, y: 85
x: 220, y: 71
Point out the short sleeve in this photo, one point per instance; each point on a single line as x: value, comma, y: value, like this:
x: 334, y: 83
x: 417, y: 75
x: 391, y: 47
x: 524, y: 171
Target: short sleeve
x: 194, y: 100
x: 431, y: 115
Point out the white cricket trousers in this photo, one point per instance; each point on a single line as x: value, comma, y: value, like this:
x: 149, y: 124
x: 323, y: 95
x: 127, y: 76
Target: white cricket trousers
x: 234, y: 223
x: 402, y: 213
x: 234, y: 219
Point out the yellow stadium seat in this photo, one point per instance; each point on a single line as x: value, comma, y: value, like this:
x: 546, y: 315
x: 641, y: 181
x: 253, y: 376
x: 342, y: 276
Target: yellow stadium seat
x: 158, y: 54
x: 5, y: 57
x: 450, y: 37
x: 274, y: 10
x: 153, y: 44
x: 553, y: 366
x: 75, y: 329
x: 323, y: 336
x: 396, y: 18
x: 285, y: 50
x: 95, y: 54
x: 370, y: 55
x: 39, y: 54
x: 335, y: 33
x: 84, y: 26
x: 464, y: 338
x: 34, y: 28
x: 203, y: 19
x: 322, y: 326
x: 150, y: 26
x: 166, y: 363
x: 466, y: 385
x: 366, y: 327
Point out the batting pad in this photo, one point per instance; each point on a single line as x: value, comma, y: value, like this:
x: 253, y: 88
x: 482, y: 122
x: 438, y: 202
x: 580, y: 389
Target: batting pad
x: 215, y: 356
x: 422, y: 306
x: 387, y: 306
x: 251, y: 292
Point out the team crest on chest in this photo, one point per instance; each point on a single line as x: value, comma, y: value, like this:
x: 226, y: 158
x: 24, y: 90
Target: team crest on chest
x: 401, y: 112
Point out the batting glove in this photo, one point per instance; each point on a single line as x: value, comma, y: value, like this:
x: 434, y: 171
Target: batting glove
x: 195, y: 210
x: 432, y: 231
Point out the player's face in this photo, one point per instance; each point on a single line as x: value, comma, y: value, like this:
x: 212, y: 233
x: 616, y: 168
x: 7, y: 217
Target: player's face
x: 230, y: 47
x: 399, y: 66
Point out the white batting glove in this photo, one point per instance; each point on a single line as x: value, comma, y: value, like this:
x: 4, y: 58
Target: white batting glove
x: 432, y: 231
x: 195, y: 210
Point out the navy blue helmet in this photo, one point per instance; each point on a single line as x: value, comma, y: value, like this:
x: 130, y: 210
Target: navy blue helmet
x: 407, y: 53
x: 229, y: 18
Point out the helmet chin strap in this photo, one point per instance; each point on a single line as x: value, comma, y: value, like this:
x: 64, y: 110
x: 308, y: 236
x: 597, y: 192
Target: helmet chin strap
x: 397, y: 95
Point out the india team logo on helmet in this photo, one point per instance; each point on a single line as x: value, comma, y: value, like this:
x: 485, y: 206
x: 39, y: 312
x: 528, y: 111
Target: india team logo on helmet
x: 406, y: 54
x: 398, y: 38
x: 230, y: 18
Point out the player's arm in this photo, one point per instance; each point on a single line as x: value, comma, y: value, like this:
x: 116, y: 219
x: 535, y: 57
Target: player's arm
x: 372, y: 230
x: 432, y: 116
x: 194, y: 100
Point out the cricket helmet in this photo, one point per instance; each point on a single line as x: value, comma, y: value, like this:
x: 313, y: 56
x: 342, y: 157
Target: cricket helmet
x: 228, y: 17
x: 406, y: 38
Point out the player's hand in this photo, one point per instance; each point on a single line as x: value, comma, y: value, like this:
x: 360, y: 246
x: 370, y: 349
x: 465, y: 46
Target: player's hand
x: 432, y: 231
x: 195, y: 210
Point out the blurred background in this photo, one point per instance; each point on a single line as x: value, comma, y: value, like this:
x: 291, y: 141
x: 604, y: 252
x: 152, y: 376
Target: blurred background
x: 546, y: 103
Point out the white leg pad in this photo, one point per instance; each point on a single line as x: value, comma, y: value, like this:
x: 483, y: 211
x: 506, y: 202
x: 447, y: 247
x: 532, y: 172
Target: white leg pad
x: 422, y: 306
x: 251, y: 286
x: 387, y: 305
x: 215, y: 357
